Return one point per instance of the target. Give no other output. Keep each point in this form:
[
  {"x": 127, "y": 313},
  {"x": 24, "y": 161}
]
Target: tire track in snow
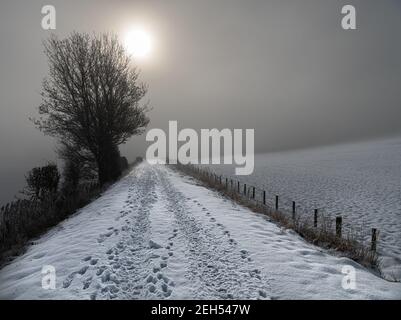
[
  {"x": 137, "y": 261},
  {"x": 217, "y": 268},
  {"x": 161, "y": 224},
  {"x": 124, "y": 276}
]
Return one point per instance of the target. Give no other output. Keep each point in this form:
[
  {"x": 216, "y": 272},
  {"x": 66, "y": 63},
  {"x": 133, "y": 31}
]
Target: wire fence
[{"x": 294, "y": 211}]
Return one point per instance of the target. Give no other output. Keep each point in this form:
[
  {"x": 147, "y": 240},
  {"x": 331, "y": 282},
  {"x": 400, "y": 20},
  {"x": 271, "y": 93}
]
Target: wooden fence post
[
  {"x": 374, "y": 240},
  {"x": 293, "y": 210},
  {"x": 339, "y": 221},
  {"x": 315, "y": 218},
  {"x": 276, "y": 206},
  {"x": 264, "y": 197}
]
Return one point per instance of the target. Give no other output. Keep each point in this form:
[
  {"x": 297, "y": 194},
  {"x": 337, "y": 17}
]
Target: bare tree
[{"x": 90, "y": 101}]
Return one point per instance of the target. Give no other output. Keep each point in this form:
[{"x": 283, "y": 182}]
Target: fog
[{"x": 285, "y": 68}]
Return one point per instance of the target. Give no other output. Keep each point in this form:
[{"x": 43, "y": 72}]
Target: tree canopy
[{"x": 91, "y": 98}]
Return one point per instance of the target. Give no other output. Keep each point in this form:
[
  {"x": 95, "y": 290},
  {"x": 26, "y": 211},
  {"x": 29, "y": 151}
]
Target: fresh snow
[
  {"x": 359, "y": 181},
  {"x": 157, "y": 234}
]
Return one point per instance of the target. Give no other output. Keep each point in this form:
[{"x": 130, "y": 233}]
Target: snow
[
  {"x": 359, "y": 181},
  {"x": 157, "y": 234}
]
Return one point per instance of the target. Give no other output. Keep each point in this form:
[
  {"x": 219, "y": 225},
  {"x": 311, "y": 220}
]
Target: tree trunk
[{"x": 108, "y": 163}]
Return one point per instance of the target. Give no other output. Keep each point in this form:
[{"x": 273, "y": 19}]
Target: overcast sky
[{"x": 285, "y": 68}]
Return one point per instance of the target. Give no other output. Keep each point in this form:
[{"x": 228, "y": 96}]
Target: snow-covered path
[{"x": 158, "y": 235}]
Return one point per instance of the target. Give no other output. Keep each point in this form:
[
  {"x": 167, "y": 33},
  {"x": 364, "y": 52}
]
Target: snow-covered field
[
  {"x": 158, "y": 235},
  {"x": 359, "y": 181}
]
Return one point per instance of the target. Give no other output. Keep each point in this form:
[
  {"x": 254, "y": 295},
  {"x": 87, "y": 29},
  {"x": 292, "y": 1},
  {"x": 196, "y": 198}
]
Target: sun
[{"x": 138, "y": 43}]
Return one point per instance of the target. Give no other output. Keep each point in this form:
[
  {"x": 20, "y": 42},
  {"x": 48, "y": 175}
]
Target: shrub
[{"x": 42, "y": 182}]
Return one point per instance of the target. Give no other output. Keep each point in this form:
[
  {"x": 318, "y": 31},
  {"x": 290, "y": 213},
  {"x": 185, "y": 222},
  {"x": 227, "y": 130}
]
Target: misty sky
[{"x": 285, "y": 68}]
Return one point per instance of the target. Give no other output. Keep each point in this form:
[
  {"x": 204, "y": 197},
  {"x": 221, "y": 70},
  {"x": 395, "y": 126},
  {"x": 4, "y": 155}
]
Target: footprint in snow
[
  {"x": 67, "y": 281},
  {"x": 87, "y": 282},
  {"x": 232, "y": 241},
  {"x": 245, "y": 255},
  {"x": 154, "y": 245},
  {"x": 151, "y": 279},
  {"x": 104, "y": 236},
  {"x": 70, "y": 277},
  {"x": 83, "y": 270},
  {"x": 101, "y": 270}
]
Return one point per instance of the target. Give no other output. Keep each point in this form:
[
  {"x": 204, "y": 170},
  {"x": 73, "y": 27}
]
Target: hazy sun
[{"x": 138, "y": 43}]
